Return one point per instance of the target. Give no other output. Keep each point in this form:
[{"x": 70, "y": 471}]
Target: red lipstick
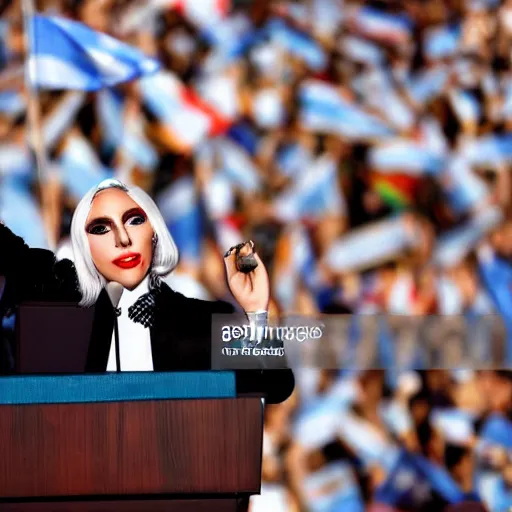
[{"x": 128, "y": 260}]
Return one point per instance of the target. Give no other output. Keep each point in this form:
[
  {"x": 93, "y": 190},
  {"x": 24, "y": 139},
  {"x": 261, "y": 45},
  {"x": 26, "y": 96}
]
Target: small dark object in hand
[{"x": 245, "y": 263}]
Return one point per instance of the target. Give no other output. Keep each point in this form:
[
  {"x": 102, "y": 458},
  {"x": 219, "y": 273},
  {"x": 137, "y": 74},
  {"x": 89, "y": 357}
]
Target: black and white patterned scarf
[{"x": 143, "y": 310}]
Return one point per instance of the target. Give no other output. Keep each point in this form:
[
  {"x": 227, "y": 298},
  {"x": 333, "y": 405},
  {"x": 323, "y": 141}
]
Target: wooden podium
[{"x": 134, "y": 442}]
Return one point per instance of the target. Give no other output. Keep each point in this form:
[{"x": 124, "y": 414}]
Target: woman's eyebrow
[
  {"x": 98, "y": 220},
  {"x": 133, "y": 211}
]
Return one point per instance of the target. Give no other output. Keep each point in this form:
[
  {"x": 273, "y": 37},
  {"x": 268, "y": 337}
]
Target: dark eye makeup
[
  {"x": 101, "y": 226},
  {"x": 98, "y": 229},
  {"x": 134, "y": 216},
  {"x": 98, "y": 226},
  {"x": 137, "y": 220}
]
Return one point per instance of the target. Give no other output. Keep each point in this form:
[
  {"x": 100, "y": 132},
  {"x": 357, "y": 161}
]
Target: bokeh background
[{"x": 366, "y": 148}]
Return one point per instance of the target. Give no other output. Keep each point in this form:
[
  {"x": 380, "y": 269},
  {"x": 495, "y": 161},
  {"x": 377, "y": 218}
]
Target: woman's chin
[
  {"x": 130, "y": 282},
  {"x": 131, "y": 285}
]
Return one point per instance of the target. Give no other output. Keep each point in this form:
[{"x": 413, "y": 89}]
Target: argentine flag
[
  {"x": 415, "y": 483},
  {"x": 125, "y": 134},
  {"x": 343, "y": 491},
  {"x": 184, "y": 216},
  {"x": 371, "y": 245},
  {"x": 238, "y": 166},
  {"x": 323, "y": 109},
  {"x": 12, "y": 103},
  {"x": 496, "y": 276},
  {"x": 316, "y": 193},
  {"x": 297, "y": 43},
  {"x": 454, "y": 245},
  {"x": 442, "y": 41},
  {"x": 405, "y": 156},
  {"x": 66, "y": 54},
  {"x": 79, "y": 166},
  {"x": 381, "y": 26}
]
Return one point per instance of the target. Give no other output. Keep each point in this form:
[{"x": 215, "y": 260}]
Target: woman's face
[{"x": 120, "y": 238}]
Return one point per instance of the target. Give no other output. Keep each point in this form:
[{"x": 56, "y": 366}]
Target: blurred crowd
[
  {"x": 366, "y": 148},
  {"x": 351, "y": 442}
]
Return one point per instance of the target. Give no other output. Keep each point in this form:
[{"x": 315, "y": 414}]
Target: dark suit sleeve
[
  {"x": 12, "y": 248},
  {"x": 32, "y": 274},
  {"x": 276, "y": 385}
]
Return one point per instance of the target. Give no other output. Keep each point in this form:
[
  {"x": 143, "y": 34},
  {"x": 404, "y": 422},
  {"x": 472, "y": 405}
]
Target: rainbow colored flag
[{"x": 396, "y": 190}]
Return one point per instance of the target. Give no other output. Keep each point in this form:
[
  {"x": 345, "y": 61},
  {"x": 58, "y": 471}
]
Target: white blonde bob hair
[{"x": 165, "y": 254}]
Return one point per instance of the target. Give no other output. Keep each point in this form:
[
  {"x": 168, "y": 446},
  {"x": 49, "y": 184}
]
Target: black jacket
[{"x": 180, "y": 336}]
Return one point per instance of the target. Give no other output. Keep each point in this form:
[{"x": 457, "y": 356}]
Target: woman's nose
[{"x": 122, "y": 238}]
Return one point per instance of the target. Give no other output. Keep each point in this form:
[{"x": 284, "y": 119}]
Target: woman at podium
[{"x": 121, "y": 250}]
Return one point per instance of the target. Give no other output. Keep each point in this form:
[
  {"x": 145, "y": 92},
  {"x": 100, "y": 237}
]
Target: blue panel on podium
[{"x": 116, "y": 387}]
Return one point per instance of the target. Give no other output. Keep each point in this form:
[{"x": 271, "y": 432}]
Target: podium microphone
[{"x": 114, "y": 291}]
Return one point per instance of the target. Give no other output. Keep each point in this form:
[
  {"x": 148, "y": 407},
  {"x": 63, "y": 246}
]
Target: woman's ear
[{"x": 154, "y": 239}]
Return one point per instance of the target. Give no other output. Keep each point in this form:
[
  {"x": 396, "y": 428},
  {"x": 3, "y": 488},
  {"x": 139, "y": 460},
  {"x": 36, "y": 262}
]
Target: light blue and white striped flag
[
  {"x": 238, "y": 166},
  {"x": 368, "y": 443},
  {"x": 397, "y": 417},
  {"x": 463, "y": 188},
  {"x": 315, "y": 193},
  {"x": 382, "y": 26},
  {"x": 109, "y": 110},
  {"x": 490, "y": 150},
  {"x": 442, "y": 41},
  {"x": 361, "y": 50},
  {"x": 293, "y": 159},
  {"x": 181, "y": 208},
  {"x": 12, "y": 103},
  {"x": 426, "y": 85},
  {"x": 229, "y": 39},
  {"x": 405, "y": 156},
  {"x": 61, "y": 119},
  {"x": 298, "y": 43},
  {"x": 299, "y": 266},
  {"x": 324, "y": 110},
  {"x": 317, "y": 423},
  {"x": 381, "y": 94},
  {"x": 126, "y": 135},
  {"x": 15, "y": 160},
  {"x": 465, "y": 105},
  {"x": 456, "y": 425},
  {"x": 80, "y": 167},
  {"x": 371, "y": 245},
  {"x": 66, "y": 54},
  {"x": 137, "y": 147},
  {"x": 456, "y": 244},
  {"x": 343, "y": 491}
]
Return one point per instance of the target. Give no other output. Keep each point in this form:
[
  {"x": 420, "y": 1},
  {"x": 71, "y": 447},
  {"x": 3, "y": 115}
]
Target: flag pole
[
  {"x": 34, "y": 111},
  {"x": 34, "y": 120}
]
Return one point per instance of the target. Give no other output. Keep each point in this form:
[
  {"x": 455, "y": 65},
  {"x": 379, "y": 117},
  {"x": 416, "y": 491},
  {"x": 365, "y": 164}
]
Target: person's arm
[
  {"x": 251, "y": 290},
  {"x": 275, "y": 385},
  {"x": 30, "y": 273},
  {"x": 295, "y": 461}
]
